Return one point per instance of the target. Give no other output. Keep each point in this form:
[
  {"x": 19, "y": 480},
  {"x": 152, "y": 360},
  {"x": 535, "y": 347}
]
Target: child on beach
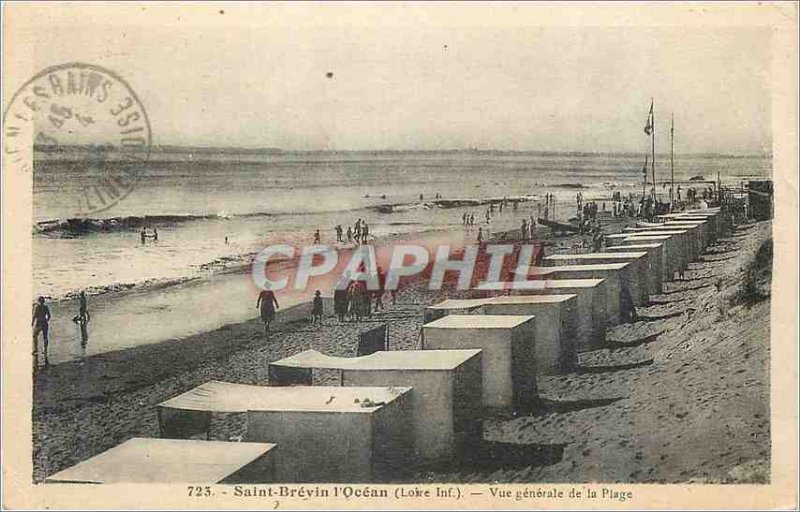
[{"x": 316, "y": 311}]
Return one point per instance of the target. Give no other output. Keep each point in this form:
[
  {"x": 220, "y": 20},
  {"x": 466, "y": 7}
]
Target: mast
[
  {"x": 644, "y": 174},
  {"x": 653, "y": 141},
  {"x": 672, "y": 157}
]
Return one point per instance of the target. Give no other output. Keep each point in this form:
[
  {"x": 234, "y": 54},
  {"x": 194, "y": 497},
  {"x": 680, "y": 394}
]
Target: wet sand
[{"x": 682, "y": 395}]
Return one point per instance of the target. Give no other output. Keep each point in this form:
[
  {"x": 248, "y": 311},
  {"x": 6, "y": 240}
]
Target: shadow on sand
[
  {"x": 635, "y": 343},
  {"x": 490, "y": 456},
  {"x": 563, "y": 406},
  {"x": 687, "y": 289},
  {"x": 613, "y": 368},
  {"x": 648, "y": 318}
]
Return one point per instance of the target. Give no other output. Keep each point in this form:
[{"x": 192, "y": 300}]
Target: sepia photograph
[{"x": 400, "y": 255}]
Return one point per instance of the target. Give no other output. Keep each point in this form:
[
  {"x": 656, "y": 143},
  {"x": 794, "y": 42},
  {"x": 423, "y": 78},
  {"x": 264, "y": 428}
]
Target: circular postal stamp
[{"x": 85, "y": 127}]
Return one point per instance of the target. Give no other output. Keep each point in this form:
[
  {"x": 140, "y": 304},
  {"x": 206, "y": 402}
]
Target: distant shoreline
[{"x": 233, "y": 150}]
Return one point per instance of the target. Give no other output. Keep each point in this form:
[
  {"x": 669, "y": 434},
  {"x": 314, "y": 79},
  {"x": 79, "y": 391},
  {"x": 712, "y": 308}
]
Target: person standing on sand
[
  {"x": 480, "y": 235},
  {"x": 83, "y": 308},
  {"x": 524, "y": 230},
  {"x": 364, "y": 233},
  {"x": 380, "y": 290},
  {"x": 317, "y": 310},
  {"x": 82, "y": 318},
  {"x": 41, "y": 324},
  {"x": 355, "y": 300},
  {"x": 143, "y": 235},
  {"x": 316, "y": 237},
  {"x": 340, "y": 301},
  {"x": 155, "y": 235},
  {"x": 349, "y": 234},
  {"x": 267, "y": 304}
]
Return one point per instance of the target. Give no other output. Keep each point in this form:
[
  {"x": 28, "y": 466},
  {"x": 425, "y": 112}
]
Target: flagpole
[
  {"x": 653, "y": 135},
  {"x": 672, "y": 157}
]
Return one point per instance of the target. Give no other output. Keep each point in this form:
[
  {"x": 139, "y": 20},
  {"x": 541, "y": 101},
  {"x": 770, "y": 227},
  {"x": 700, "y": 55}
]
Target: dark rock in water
[
  {"x": 384, "y": 208},
  {"x": 699, "y": 177},
  {"x": 455, "y": 203}
]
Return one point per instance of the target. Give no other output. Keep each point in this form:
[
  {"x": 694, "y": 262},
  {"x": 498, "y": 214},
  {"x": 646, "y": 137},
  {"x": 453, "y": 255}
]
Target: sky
[{"x": 416, "y": 78}]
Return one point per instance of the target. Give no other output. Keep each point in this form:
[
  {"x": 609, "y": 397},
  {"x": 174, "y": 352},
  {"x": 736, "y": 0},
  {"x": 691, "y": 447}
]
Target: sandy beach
[{"x": 680, "y": 396}]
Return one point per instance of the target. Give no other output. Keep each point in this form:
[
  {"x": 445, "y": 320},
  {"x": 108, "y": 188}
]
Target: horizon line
[{"x": 277, "y": 150}]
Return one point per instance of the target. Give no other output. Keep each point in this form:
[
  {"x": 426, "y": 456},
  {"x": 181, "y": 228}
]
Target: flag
[{"x": 648, "y": 127}]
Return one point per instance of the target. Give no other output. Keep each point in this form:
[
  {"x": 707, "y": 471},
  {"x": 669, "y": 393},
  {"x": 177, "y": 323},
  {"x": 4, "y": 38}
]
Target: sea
[{"x": 197, "y": 198}]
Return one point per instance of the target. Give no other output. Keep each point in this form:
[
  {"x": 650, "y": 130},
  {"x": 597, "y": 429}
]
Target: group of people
[
  {"x": 41, "y": 325},
  {"x": 467, "y": 219},
  {"x": 144, "y": 235},
  {"x": 622, "y": 206},
  {"x": 587, "y": 215},
  {"x": 528, "y": 228},
  {"x": 691, "y": 193},
  {"x": 549, "y": 206},
  {"x": 354, "y": 301},
  {"x": 358, "y": 232}
]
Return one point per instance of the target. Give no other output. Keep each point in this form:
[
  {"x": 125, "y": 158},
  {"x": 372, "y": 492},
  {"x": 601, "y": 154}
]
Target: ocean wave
[
  {"x": 605, "y": 185},
  {"x": 82, "y": 226},
  {"x": 76, "y": 227},
  {"x": 445, "y": 203},
  {"x": 149, "y": 284}
]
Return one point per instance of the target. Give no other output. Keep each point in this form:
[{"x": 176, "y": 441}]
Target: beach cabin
[
  {"x": 338, "y": 434},
  {"x": 656, "y": 258},
  {"x": 508, "y": 360},
  {"x": 639, "y": 267},
  {"x": 613, "y": 273},
  {"x": 683, "y": 240},
  {"x": 173, "y": 461},
  {"x": 324, "y": 434},
  {"x": 692, "y": 237},
  {"x": 714, "y": 218},
  {"x": 687, "y": 253},
  {"x": 445, "y": 382},
  {"x": 450, "y": 307},
  {"x": 672, "y": 248},
  {"x": 555, "y": 330},
  {"x": 701, "y": 227},
  {"x": 591, "y": 297}
]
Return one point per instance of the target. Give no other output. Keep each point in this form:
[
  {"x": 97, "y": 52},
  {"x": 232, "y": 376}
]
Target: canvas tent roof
[
  {"x": 143, "y": 460},
  {"x": 560, "y": 268},
  {"x": 384, "y": 360},
  {"x": 458, "y": 304},
  {"x": 216, "y": 396},
  {"x": 530, "y": 299},
  {"x": 597, "y": 255},
  {"x": 479, "y": 321},
  {"x": 636, "y": 246}
]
